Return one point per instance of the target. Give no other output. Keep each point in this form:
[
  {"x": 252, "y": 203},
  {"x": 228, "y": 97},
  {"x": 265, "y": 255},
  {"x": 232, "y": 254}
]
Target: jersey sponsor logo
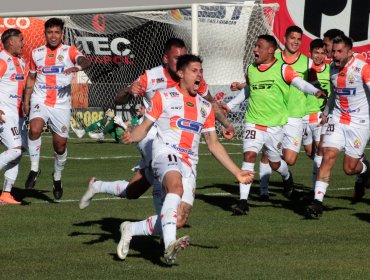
[
  {"x": 50, "y": 55},
  {"x": 174, "y": 94},
  {"x": 345, "y": 91},
  {"x": 357, "y": 110},
  {"x": 177, "y": 123},
  {"x": 14, "y": 96},
  {"x": 181, "y": 150},
  {"x": 176, "y": 108},
  {"x": 160, "y": 80},
  {"x": 190, "y": 104},
  {"x": 50, "y": 87},
  {"x": 51, "y": 70},
  {"x": 17, "y": 77},
  {"x": 262, "y": 85}
]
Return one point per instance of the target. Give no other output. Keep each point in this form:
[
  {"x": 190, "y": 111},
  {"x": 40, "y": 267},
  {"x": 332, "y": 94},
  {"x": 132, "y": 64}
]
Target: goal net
[{"x": 122, "y": 45}]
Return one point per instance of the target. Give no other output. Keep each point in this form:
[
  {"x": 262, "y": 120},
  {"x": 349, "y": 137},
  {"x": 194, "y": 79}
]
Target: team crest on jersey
[
  {"x": 351, "y": 79},
  {"x": 190, "y": 104},
  {"x": 60, "y": 57},
  {"x": 203, "y": 112},
  {"x": 357, "y": 144},
  {"x": 178, "y": 123}
]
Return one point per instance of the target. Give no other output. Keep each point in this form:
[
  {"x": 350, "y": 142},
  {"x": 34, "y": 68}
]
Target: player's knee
[{"x": 349, "y": 170}]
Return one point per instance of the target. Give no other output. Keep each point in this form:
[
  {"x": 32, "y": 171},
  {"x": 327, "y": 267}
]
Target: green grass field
[{"x": 46, "y": 240}]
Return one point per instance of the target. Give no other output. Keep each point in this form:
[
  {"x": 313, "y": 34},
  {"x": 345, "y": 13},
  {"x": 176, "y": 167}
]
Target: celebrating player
[
  {"x": 268, "y": 81},
  {"x": 348, "y": 129},
  {"x": 181, "y": 115},
  {"x": 48, "y": 99},
  {"x": 12, "y": 125}
]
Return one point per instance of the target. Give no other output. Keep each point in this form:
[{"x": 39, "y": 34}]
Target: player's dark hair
[
  {"x": 173, "y": 42},
  {"x": 185, "y": 60},
  {"x": 316, "y": 44},
  {"x": 51, "y": 22},
  {"x": 270, "y": 39},
  {"x": 8, "y": 34},
  {"x": 332, "y": 33},
  {"x": 293, "y": 28},
  {"x": 343, "y": 39}
]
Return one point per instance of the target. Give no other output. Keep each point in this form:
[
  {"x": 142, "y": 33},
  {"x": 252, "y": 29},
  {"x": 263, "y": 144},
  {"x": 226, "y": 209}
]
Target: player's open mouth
[
  {"x": 256, "y": 55},
  {"x": 196, "y": 85}
]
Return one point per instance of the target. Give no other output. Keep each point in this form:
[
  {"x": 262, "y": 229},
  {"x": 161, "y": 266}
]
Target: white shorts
[
  {"x": 57, "y": 118},
  {"x": 293, "y": 134},
  {"x": 13, "y": 133},
  {"x": 345, "y": 137},
  {"x": 271, "y": 138},
  {"x": 167, "y": 161},
  {"x": 311, "y": 132}
]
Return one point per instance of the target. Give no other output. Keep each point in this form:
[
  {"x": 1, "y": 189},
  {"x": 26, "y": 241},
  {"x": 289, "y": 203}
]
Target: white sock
[
  {"x": 320, "y": 190},
  {"x": 8, "y": 184},
  {"x": 116, "y": 188},
  {"x": 265, "y": 173},
  {"x": 59, "y": 163},
  {"x": 150, "y": 226},
  {"x": 283, "y": 170},
  {"x": 8, "y": 156},
  {"x": 316, "y": 165},
  {"x": 34, "y": 147},
  {"x": 245, "y": 188},
  {"x": 169, "y": 217}
]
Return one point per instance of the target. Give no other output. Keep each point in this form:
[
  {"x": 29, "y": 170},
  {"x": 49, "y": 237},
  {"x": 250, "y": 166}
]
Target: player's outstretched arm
[
  {"x": 223, "y": 157},
  {"x": 30, "y": 83},
  {"x": 138, "y": 133}
]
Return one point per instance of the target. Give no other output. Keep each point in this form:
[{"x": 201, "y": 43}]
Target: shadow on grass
[
  {"x": 363, "y": 217},
  {"x": 297, "y": 203},
  {"x": 22, "y": 194},
  {"x": 148, "y": 247}
]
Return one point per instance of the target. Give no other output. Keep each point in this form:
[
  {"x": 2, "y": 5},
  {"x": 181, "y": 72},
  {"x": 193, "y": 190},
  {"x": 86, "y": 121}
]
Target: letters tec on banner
[{"x": 315, "y": 17}]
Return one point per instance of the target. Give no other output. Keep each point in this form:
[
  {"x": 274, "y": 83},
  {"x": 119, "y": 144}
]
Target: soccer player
[
  {"x": 181, "y": 116},
  {"x": 48, "y": 99},
  {"x": 268, "y": 81},
  {"x": 160, "y": 77},
  {"x": 12, "y": 125},
  {"x": 348, "y": 129},
  {"x": 319, "y": 77}
]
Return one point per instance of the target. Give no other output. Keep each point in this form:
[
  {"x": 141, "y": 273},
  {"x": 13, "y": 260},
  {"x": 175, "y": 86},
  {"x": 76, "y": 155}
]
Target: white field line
[{"x": 150, "y": 197}]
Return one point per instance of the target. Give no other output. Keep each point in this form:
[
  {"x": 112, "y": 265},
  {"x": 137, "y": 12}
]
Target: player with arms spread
[
  {"x": 181, "y": 116},
  {"x": 48, "y": 99}
]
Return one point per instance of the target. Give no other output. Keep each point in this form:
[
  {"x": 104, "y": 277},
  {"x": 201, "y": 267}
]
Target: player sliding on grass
[{"x": 181, "y": 116}]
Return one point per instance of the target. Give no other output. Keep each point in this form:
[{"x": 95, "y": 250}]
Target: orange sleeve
[
  {"x": 156, "y": 108},
  {"x": 74, "y": 53},
  {"x": 3, "y": 67},
  {"x": 210, "y": 121},
  {"x": 289, "y": 74},
  {"x": 366, "y": 73},
  {"x": 143, "y": 81},
  {"x": 32, "y": 63}
]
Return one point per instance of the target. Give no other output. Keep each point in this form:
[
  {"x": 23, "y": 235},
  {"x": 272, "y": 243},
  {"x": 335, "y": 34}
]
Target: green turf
[{"x": 46, "y": 240}]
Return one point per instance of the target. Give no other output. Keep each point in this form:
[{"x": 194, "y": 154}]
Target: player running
[{"x": 181, "y": 116}]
